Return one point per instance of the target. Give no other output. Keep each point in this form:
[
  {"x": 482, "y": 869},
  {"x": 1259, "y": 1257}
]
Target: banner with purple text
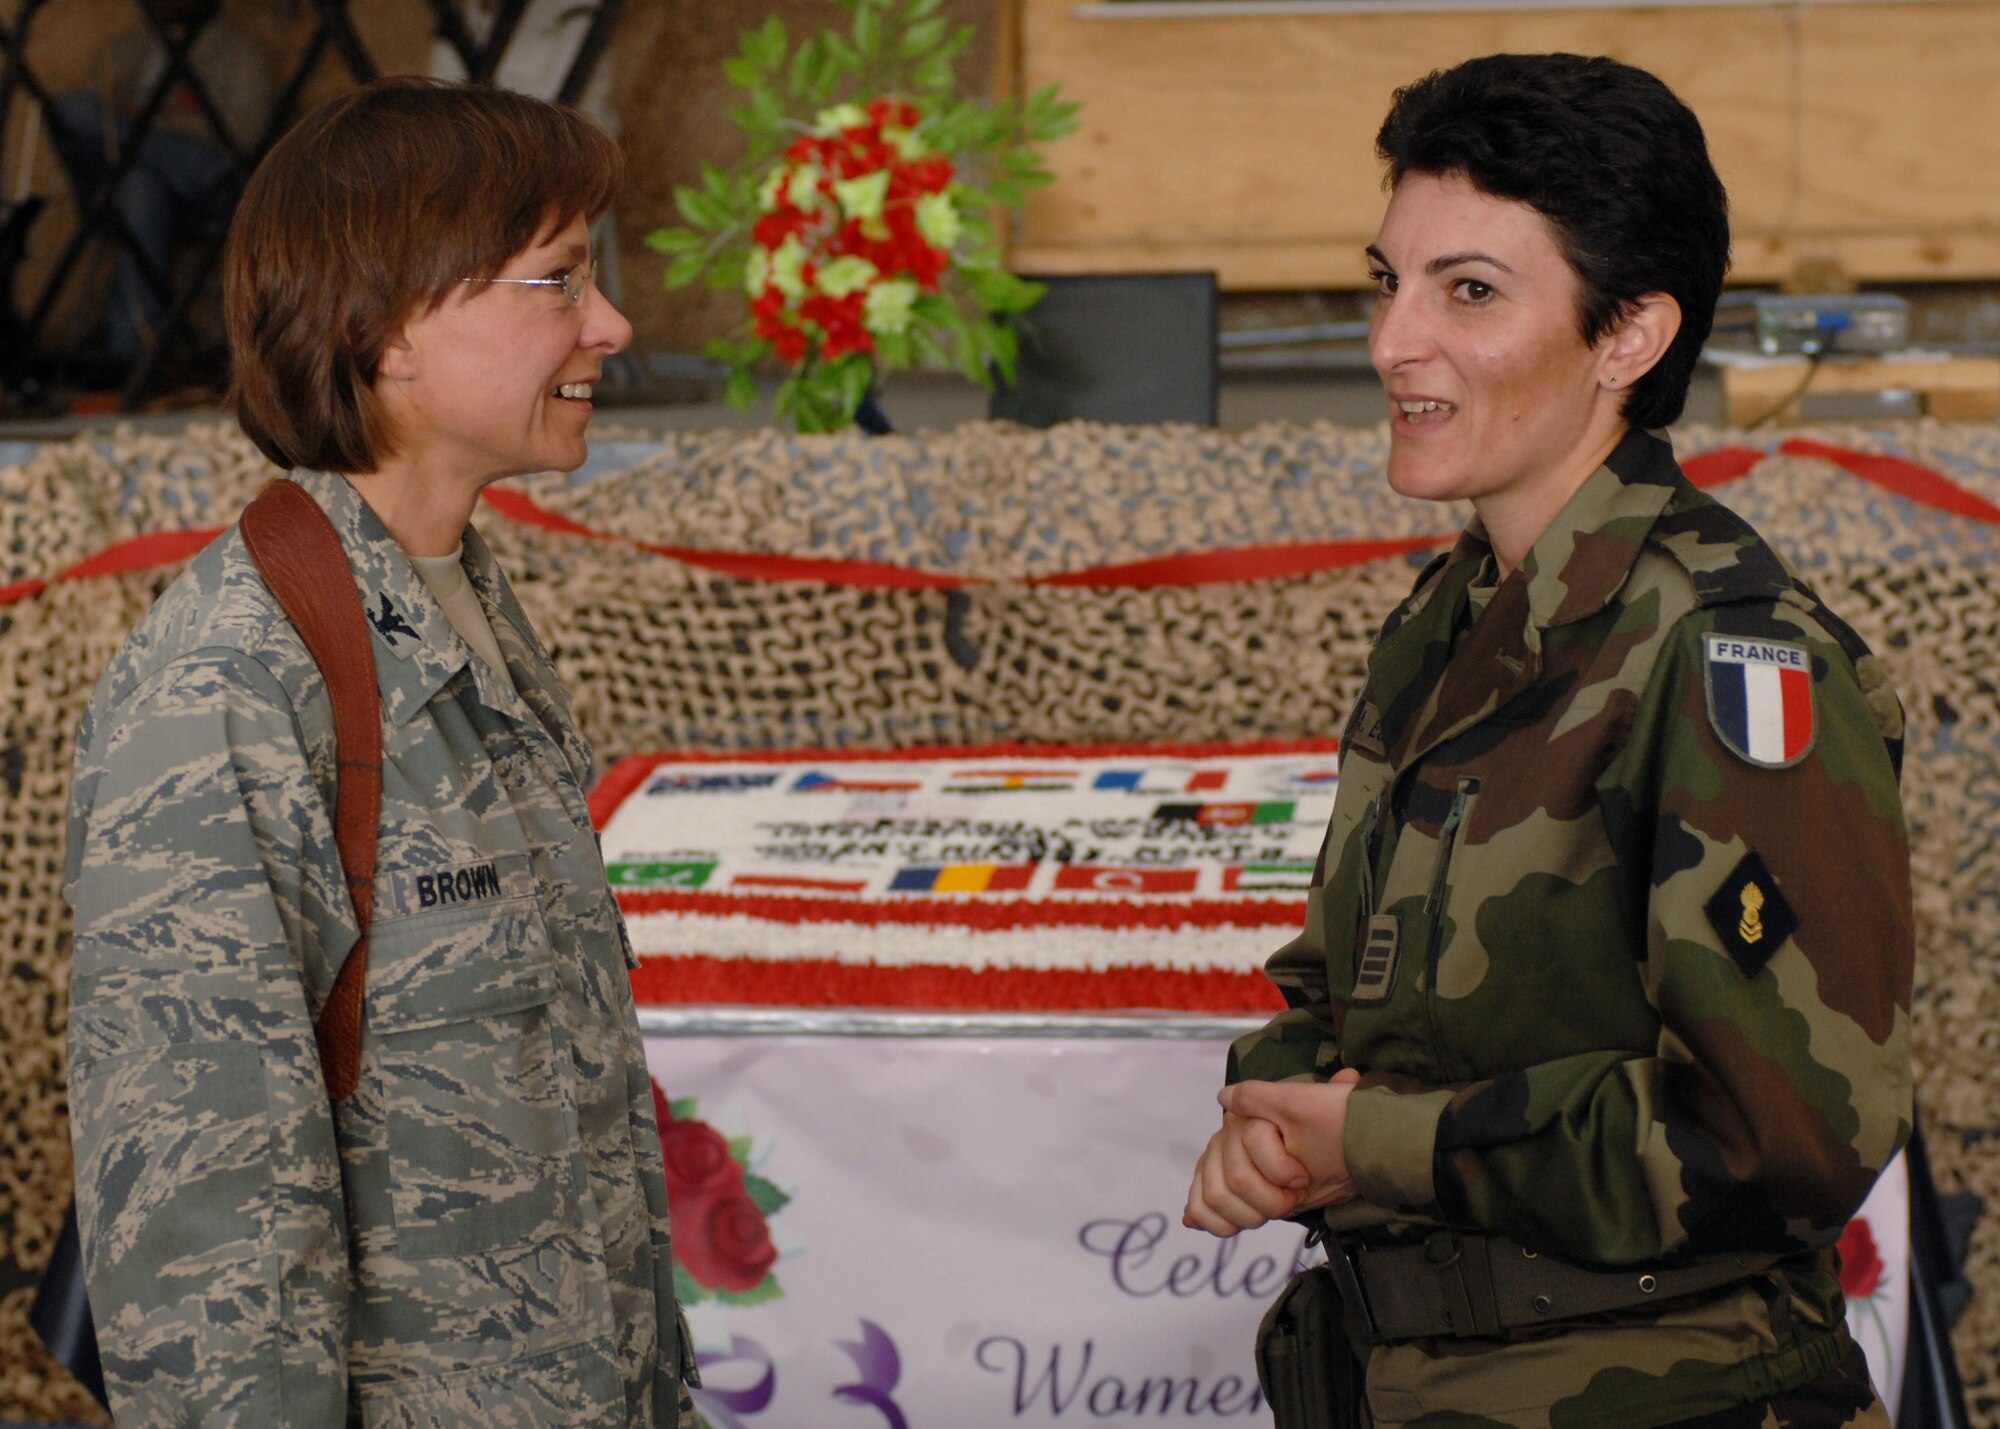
[{"x": 941, "y": 1231}]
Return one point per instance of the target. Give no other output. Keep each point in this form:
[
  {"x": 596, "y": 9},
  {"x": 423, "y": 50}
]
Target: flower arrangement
[
  {"x": 720, "y": 1210},
  {"x": 853, "y": 225}
]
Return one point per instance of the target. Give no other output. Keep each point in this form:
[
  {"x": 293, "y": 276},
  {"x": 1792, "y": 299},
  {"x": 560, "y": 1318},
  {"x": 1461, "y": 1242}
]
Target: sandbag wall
[{"x": 664, "y": 653}]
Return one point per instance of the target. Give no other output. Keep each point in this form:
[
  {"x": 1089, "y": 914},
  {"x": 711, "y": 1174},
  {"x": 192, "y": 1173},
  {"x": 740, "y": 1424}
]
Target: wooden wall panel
[{"x": 1865, "y": 134}]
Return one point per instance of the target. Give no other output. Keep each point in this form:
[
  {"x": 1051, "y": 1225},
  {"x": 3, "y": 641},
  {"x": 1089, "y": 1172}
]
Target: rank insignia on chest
[
  {"x": 1760, "y": 698},
  {"x": 1376, "y": 977},
  {"x": 1751, "y": 915}
]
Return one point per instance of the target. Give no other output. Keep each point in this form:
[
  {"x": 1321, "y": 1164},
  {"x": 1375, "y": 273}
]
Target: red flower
[
  {"x": 778, "y": 225},
  {"x": 899, "y": 112},
  {"x": 840, "y": 320},
  {"x": 788, "y": 342},
  {"x": 930, "y": 176},
  {"x": 697, "y": 1158},
  {"x": 719, "y": 1235},
  {"x": 1860, "y": 1262},
  {"x": 723, "y": 1241}
]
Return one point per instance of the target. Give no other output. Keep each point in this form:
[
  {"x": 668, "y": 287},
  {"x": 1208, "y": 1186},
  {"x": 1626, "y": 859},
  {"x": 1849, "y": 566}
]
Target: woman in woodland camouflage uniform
[
  {"x": 477, "y": 1235},
  {"x": 1598, "y": 1023}
]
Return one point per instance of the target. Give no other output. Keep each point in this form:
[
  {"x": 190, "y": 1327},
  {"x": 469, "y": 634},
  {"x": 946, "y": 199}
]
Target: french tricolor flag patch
[{"x": 1760, "y": 698}]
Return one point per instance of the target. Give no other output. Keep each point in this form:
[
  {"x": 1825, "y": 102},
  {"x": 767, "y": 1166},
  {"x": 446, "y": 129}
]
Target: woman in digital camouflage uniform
[
  {"x": 1598, "y": 1024},
  {"x": 477, "y": 1235}
]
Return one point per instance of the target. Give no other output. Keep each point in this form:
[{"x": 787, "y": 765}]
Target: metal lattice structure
[{"x": 334, "y": 39}]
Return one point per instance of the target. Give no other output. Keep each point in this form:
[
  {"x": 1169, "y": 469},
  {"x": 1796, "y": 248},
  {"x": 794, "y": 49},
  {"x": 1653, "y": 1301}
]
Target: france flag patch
[{"x": 1760, "y": 698}]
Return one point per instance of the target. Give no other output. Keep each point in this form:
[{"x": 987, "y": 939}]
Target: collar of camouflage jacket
[
  {"x": 1435, "y": 685},
  {"x": 416, "y": 649}
]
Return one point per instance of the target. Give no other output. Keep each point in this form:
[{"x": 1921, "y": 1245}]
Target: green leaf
[
  {"x": 1005, "y": 345},
  {"x": 956, "y": 42},
  {"x": 718, "y": 186},
  {"x": 739, "y": 1150},
  {"x": 730, "y": 269},
  {"x": 819, "y": 406},
  {"x": 842, "y": 56},
  {"x": 819, "y": 77},
  {"x": 855, "y": 374},
  {"x": 764, "y": 1195},
  {"x": 920, "y": 8},
  {"x": 675, "y": 240},
  {"x": 970, "y": 359},
  {"x": 1047, "y": 117},
  {"x": 701, "y": 209},
  {"x": 740, "y": 392},
  {"x": 999, "y": 291},
  {"x": 742, "y": 72},
  {"x": 936, "y": 309},
  {"x": 920, "y": 38},
  {"x": 767, "y": 113},
  {"x": 771, "y": 43},
  {"x": 685, "y": 269},
  {"x": 804, "y": 59},
  {"x": 932, "y": 75},
  {"x": 762, "y": 1293},
  {"x": 1008, "y": 191},
  {"x": 892, "y": 351},
  {"x": 868, "y": 31},
  {"x": 688, "y": 1290},
  {"x": 1019, "y": 163},
  {"x": 681, "y": 1108}
]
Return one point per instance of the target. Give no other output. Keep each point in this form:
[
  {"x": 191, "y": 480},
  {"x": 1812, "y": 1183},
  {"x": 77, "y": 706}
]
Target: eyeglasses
[{"x": 572, "y": 283}]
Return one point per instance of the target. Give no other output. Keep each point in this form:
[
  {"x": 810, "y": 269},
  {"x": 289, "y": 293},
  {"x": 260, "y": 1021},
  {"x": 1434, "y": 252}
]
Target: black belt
[{"x": 1461, "y": 1284}]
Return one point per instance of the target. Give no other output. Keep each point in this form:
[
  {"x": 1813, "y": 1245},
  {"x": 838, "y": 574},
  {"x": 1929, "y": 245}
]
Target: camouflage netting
[{"x": 662, "y": 655}]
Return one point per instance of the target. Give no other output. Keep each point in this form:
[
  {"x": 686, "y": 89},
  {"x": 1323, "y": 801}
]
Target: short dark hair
[
  {"x": 370, "y": 210},
  {"x": 1612, "y": 159}
]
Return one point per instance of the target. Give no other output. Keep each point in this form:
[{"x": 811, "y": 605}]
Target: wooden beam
[{"x": 1865, "y": 134}]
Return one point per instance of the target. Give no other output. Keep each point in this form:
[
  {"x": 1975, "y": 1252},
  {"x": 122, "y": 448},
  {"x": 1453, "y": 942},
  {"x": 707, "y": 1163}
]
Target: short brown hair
[{"x": 369, "y": 211}]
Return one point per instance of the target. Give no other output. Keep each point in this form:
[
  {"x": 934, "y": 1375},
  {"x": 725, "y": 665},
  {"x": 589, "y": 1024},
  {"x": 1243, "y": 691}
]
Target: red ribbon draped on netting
[{"x": 1893, "y": 474}]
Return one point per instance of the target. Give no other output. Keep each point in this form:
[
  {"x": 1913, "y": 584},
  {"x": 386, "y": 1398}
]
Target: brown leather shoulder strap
[{"x": 299, "y": 554}]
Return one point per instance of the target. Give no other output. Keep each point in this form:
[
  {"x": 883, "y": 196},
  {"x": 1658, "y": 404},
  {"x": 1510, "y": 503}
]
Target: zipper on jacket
[
  {"x": 1447, "y": 840},
  {"x": 1434, "y": 906},
  {"x": 1370, "y": 851}
]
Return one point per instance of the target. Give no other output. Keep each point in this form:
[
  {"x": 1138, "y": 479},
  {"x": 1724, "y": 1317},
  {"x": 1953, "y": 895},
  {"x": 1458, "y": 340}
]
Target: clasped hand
[{"x": 1279, "y": 1152}]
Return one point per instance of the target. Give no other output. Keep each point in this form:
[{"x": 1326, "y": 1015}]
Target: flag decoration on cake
[{"x": 1032, "y": 877}]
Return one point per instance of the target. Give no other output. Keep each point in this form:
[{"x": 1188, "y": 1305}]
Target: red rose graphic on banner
[
  {"x": 720, "y": 1210},
  {"x": 1860, "y": 1262}
]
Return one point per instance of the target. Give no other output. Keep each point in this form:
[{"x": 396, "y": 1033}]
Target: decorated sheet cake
[{"x": 1045, "y": 877}]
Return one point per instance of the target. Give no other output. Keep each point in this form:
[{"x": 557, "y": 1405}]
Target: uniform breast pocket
[{"x": 478, "y": 1119}]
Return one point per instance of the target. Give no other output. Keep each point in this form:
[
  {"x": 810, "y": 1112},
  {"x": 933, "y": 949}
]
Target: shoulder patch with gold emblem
[{"x": 1751, "y": 915}]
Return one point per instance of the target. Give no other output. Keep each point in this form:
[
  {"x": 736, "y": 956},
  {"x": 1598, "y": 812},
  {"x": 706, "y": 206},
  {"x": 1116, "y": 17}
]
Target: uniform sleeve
[
  {"x": 208, "y": 1189},
  {"x": 1778, "y": 952}
]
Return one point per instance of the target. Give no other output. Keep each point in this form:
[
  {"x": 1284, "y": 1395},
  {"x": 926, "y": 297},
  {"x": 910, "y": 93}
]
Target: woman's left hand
[
  {"x": 1278, "y": 1152},
  {"x": 1311, "y": 1120}
]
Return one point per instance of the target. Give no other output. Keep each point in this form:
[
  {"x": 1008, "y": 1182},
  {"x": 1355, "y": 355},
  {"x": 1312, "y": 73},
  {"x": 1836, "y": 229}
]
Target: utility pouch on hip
[{"x": 1304, "y": 1362}]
